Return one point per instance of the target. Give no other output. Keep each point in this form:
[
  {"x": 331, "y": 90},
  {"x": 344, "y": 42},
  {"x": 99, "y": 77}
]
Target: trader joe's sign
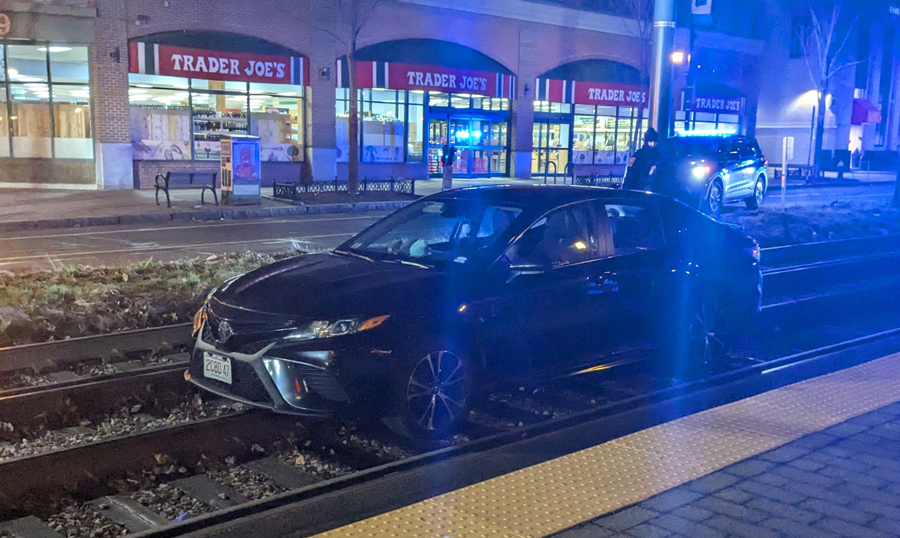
[{"x": 155, "y": 59}]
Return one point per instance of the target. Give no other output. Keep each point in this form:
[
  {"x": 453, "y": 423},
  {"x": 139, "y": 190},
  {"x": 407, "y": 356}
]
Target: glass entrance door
[
  {"x": 550, "y": 142},
  {"x": 481, "y": 145}
]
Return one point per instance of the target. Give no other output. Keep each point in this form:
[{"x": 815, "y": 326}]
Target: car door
[
  {"x": 539, "y": 321},
  {"x": 631, "y": 274},
  {"x": 733, "y": 174}
]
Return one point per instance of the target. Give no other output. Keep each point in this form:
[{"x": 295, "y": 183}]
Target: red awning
[{"x": 864, "y": 112}]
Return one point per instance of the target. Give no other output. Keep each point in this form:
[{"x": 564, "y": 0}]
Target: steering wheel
[{"x": 397, "y": 246}]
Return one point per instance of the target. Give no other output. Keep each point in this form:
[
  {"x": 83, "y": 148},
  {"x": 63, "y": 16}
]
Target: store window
[
  {"x": 557, "y": 108},
  {"x": 45, "y": 107},
  {"x": 392, "y": 125},
  {"x": 175, "y": 118},
  {"x": 707, "y": 121},
  {"x": 604, "y": 134}
]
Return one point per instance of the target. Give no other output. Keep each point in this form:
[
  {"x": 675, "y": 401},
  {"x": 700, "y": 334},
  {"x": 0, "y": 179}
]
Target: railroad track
[{"x": 265, "y": 446}]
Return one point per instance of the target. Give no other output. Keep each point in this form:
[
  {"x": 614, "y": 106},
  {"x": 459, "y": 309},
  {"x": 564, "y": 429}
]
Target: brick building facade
[{"x": 565, "y": 86}]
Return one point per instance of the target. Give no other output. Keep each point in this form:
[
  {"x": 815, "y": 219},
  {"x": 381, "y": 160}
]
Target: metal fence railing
[{"x": 293, "y": 191}]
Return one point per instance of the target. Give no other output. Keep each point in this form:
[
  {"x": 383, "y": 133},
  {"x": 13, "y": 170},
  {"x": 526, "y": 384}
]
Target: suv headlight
[
  {"x": 328, "y": 329},
  {"x": 199, "y": 318}
]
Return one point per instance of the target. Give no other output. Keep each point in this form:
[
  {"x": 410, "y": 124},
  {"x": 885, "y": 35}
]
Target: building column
[
  {"x": 321, "y": 151},
  {"x": 109, "y": 92},
  {"x": 522, "y": 109}
]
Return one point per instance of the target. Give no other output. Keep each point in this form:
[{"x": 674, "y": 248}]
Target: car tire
[
  {"x": 431, "y": 391},
  {"x": 759, "y": 192},
  {"x": 709, "y": 336},
  {"x": 715, "y": 196}
]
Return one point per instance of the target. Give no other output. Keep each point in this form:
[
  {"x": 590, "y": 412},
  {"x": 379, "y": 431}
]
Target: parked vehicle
[
  {"x": 463, "y": 289},
  {"x": 707, "y": 172}
]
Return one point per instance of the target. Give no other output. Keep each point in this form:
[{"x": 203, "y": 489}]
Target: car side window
[
  {"x": 634, "y": 228},
  {"x": 731, "y": 151},
  {"x": 746, "y": 150},
  {"x": 562, "y": 237}
]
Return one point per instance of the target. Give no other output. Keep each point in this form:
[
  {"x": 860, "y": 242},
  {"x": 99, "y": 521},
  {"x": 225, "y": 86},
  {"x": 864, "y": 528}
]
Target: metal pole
[
  {"x": 661, "y": 67},
  {"x": 897, "y": 186}
]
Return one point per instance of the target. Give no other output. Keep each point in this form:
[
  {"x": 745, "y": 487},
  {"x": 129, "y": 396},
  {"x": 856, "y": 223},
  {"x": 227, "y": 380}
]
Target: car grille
[
  {"x": 245, "y": 383},
  {"x": 321, "y": 382}
]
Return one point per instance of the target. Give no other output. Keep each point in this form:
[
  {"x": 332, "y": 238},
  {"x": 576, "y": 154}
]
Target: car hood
[{"x": 323, "y": 286}]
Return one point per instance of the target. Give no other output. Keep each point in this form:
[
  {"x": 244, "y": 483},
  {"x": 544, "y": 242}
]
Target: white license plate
[{"x": 217, "y": 367}]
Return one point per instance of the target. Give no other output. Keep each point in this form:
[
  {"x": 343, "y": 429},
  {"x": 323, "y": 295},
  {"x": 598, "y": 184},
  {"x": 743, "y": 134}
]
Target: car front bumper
[{"x": 307, "y": 384}]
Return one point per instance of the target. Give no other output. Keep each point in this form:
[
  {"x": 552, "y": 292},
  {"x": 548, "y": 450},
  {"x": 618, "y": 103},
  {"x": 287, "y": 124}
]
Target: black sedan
[
  {"x": 464, "y": 289},
  {"x": 709, "y": 171}
]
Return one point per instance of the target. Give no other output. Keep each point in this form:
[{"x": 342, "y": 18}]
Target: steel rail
[
  {"x": 403, "y": 471},
  {"x": 46, "y": 356}
]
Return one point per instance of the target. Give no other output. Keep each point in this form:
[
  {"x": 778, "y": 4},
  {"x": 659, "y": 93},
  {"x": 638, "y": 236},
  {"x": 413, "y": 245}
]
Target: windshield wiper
[{"x": 353, "y": 255}]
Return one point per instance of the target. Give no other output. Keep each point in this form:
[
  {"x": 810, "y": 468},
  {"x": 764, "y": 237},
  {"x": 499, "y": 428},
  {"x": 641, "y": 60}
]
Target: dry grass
[
  {"x": 80, "y": 301},
  {"x": 770, "y": 227}
]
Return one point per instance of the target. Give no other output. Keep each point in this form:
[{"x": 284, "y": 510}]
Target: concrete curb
[{"x": 223, "y": 214}]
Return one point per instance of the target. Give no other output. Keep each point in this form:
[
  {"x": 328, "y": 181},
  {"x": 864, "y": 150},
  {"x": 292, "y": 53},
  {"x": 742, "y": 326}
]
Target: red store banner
[
  {"x": 156, "y": 59},
  {"x": 590, "y": 93},
  {"x": 400, "y": 76}
]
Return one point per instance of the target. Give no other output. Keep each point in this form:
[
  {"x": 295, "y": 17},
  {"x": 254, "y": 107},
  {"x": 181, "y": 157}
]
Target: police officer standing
[
  {"x": 448, "y": 158},
  {"x": 642, "y": 164}
]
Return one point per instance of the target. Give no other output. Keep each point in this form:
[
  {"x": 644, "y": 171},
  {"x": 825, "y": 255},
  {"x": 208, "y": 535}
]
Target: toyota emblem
[{"x": 225, "y": 332}]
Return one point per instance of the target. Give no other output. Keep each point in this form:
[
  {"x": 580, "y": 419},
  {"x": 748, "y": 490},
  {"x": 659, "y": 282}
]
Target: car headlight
[
  {"x": 199, "y": 318},
  {"x": 329, "y": 329},
  {"x": 701, "y": 172}
]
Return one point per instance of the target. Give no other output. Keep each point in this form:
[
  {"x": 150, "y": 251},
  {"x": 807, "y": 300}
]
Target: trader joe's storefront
[{"x": 409, "y": 111}]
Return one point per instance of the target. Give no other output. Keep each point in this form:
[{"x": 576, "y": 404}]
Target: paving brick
[
  {"x": 806, "y": 464},
  {"x": 872, "y": 494},
  {"x": 725, "y": 508},
  {"x": 799, "y": 475},
  {"x": 887, "y": 524},
  {"x": 736, "y": 527},
  {"x": 784, "y": 454},
  {"x": 779, "y": 509},
  {"x": 845, "y": 429},
  {"x": 871, "y": 419},
  {"x": 685, "y": 526},
  {"x": 713, "y": 482},
  {"x": 874, "y": 507},
  {"x": 693, "y": 513},
  {"x": 842, "y": 463},
  {"x": 845, "y": 528},
  {"x": 793, "y": 528},
  {"x": 835, "y": 510},
  {"x": 819, "y": 493},
  {"x": 814, "y": 441},
  {"x": 627, "y": 518},
  {"x": 877, "y": 461},
  {"x": 779, "y": 494},
  {"x": 771, "y": 479},
  {"x": 734, "y": 495},
  {"x": 873, "y": 446},
  {"x": 670, "y": 500},
  {"x": 748, "y": 468},
  {"x": 585, "y": 531},
  {"x": 646, "y": 530}
]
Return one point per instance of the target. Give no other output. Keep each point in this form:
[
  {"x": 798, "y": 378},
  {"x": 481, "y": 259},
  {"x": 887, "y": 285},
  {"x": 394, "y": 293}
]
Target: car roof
[{"x": 543, "y": 196}]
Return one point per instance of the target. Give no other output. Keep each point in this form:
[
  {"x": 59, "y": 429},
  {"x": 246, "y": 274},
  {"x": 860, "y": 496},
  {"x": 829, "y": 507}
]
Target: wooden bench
[{"x": 187, "y": 180}]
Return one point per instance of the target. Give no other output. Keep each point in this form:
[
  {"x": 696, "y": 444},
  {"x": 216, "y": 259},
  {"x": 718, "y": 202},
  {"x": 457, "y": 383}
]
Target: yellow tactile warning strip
[{"x": 561, "y": 493}]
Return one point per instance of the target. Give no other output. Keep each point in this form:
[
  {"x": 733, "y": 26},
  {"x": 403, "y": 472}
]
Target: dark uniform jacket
[{"x": 640, "y": 168}]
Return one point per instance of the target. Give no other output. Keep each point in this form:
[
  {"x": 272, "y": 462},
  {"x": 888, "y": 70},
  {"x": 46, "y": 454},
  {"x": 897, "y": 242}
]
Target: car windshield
[
  {"x": 436, "y": 231},
  {"x": 689, "y": 147}
]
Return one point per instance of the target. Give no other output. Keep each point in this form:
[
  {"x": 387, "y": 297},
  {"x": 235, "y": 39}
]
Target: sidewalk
[{"x": 24, "y": 209}]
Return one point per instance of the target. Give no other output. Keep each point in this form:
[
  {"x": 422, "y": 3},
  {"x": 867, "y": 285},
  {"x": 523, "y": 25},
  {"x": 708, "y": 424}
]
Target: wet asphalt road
[{"x": 116, "y": 245}]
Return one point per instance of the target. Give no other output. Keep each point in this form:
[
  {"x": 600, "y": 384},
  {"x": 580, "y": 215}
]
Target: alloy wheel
[
  {"x": 715, "y": 198},
  {"x": 437, "y": 390},
  {"x": 759, "y": 192},
  {"x": 708, "y": 335}
]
